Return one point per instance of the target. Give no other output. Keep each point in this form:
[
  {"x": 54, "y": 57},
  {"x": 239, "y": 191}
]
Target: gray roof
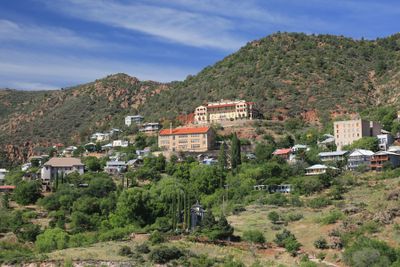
[{"x": 332, "y": 154}]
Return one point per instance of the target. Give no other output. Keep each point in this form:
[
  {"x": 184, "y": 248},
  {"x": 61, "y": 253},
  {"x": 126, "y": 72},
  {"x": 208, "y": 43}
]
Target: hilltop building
[
  {"x": 225, "y": 110},
  {"x": 192, "y": 139},
  {"x": 359, "y": 157},
  {"x": 346, "y": 132}
]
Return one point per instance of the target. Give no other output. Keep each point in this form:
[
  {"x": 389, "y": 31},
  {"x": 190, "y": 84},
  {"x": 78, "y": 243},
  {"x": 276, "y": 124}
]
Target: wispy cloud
[
  {"x": 23, "y": 70},
  {"x": 166, "y": 22},
  {"x": 12, "y": 32}
]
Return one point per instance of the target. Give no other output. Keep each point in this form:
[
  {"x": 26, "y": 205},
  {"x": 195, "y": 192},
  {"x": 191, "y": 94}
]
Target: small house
[
  {"x": 285, "y": 153},
  {"x": 318, "y": 169},
  {"x": 115, "y": 167}
]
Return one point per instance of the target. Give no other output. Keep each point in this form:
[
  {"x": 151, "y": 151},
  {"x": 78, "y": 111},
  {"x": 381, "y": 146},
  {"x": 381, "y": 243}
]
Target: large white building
[
  {"x": 61, "y": 166},
  {"x": 225, "y": 110}
]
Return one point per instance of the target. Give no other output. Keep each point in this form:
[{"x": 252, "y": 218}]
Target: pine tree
[
  {"x": 222, "y": 161},
  {"x": 235, "y": 152}
]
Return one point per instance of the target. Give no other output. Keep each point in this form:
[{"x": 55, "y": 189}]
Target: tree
[
  {"x": 222, "y": 158},
  {"x": 264, "y": 151},
  {"x": 235, "y": 152},
  {"x": 92, "y": 164},
  {"x": 366, "y": 142},
  {"x": 274, "y": 217},
  {"x": 254, "y": 236},
  {"x": 52, "y": 239},
  {"x": 27, "y": 192}
]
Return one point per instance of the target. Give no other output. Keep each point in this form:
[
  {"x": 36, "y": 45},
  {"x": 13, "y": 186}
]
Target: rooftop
[
  {"x": 332, "y": 154},
  {"x": 361, "y": 152},
  {"x": 64, "y": 162},
  {"x": 320, "y": 166},
  {"x": 282, "y": 151},
  {"x": 194, "y": 130}
]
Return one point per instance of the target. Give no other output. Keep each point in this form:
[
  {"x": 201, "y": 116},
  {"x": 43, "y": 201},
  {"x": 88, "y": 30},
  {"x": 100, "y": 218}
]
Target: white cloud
[
  {"x": 172, "y": 24},
  {"x": 11, "y": 32},
  {"x": 23, "y": 70}
]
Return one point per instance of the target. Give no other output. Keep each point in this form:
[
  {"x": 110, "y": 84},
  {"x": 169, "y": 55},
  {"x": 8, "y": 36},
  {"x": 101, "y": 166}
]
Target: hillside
[{"x": 313, "y": 77}]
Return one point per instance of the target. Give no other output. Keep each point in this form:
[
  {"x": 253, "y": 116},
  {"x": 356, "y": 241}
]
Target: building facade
[
  {"x": 199, "y": 139},
  {"x": 359, "y": 157},
  {"x": 61, "y": 166},
  {"x": 382, "y": 158},
  {"x": 150, "y": 128},
  {"x": 333, "y": 156},
  {"x": 318, "y": 169},
  {"x": 225, "y": 110},
  {"x": 138, "y": 119},
  {"x": 346, "y": 132}
]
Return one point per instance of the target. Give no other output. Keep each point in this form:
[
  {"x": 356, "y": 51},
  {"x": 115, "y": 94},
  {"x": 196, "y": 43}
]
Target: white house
[
  {"x": 120, "y": 143},
  {"x": 385, "y": 140},
  {"x": 133, "y": 119},
  {"x": 318, "y": 169},
  {"x": 100, "y": 137},
  {"x": 3, "y": 173},
  {"x": 150, "y": 127},
  {"x": 115, "y": 167},
  {"x": 61, "y": 166},
  {"x": 358, "y": 158},
  {"x": 69, "y": 150}
]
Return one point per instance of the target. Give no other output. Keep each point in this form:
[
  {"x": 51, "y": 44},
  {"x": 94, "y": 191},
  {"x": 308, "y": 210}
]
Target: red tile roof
[
  {"x": 282, "y": 151},
  {"x": 194, "y": 130},
  {"x": 12, "y": 187}
]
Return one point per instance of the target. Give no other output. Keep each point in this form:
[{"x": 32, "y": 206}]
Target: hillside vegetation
[{"x": 312, "y": 77}]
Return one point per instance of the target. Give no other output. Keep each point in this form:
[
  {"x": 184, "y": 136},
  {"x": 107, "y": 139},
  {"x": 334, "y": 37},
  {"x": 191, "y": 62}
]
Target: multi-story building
[
  {"x": 199, "y": 139},
  {"x": 346, "y": 132},
  {"x": 150, "y": 128},
  {"x": 225, "y": 110},
  {"x": 385, "y": 140},
  {"x": 115, "y": 167},
  {"x": 381, "y": 158},
  {"x": 138, "y": 119},
  {"x": 359, "y": 157},
  {"x": 61, "y": 166}
]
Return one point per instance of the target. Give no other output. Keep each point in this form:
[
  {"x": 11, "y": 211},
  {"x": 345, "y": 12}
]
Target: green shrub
[
  {"x": 276, "y": 199},
  {"x": 293, "y": 216},
  {"x": 254, "y": 236},
  {"x": 51, "y": 239},
  {"x": 156, "y": 238},
  {"x": 125, "y": 251},
  {"x": 142, "y": 248},
  {"x": 287, "y": 240},
  {"x": 164, "y": 254},
  {"x": 274, "y": 217},
  {"x": 319, "y": 202},
  {"x": 332, "y": 217},
  {"x": 321, "y": 243},
  {"x": 116, "y": 233}
]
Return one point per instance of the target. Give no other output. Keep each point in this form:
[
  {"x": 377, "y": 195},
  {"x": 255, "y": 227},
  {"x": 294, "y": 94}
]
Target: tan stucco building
[
  {"x": 225, "y": 110},
  {"x": 194, "y": 139},
  {"x": 346, "y": 132}
]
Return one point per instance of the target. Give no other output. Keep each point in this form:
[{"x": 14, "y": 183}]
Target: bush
[
  {"x": 254, "y": 236},
  {"x": 125, "y": 251},
  {"x": 164, "y": 254},
  {"x": 274, "y": 217},
  {"x": 142, "y": 248},
  {"x": 27, "y": 192},
  {"x": 292, "y": 217},
  {"x": 276, "y": 199},
  {"x": 332, "y": 217},
  {"x": 115, "y": 234},
  {"x": 287, "y": 240},
  {"x": 51, "y": 239},
  {"x": 319, "y": 202},
  {"x": 156, "y": 238},
  {"x": 321, "y": 243}
]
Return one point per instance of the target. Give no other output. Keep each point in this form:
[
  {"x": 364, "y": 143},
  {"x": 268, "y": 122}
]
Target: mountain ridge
[{"x": 310, "y": 77}]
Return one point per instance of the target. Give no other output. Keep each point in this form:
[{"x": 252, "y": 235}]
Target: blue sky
[{"x": 49, "y": 44}]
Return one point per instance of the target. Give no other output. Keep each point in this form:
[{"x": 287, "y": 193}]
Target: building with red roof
[
  {"x": 225, "y": 110},
  {"x": 284, "y": 153},
  {"x": 187, "y": 139}
]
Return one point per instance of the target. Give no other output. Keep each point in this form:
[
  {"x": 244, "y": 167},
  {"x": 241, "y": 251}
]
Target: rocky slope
[{"x": 312, "y": 77}]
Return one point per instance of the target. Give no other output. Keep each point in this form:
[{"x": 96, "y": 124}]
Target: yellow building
[
  {"x": 199, "y": 139},
  {"x": 225, "y": 110},
  {"x": 346, "y": 132}
]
